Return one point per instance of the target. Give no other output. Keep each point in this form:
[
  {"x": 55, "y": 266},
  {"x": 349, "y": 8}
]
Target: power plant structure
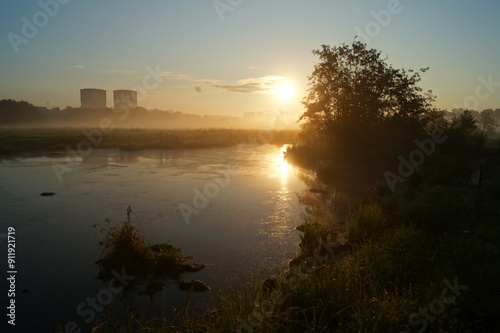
[
  {"x": 125, "y": 99},
  {"x": 91, "y": 98}
]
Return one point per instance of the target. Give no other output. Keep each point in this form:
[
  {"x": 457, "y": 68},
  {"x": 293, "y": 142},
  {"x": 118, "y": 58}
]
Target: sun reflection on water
[
  {"x": 279, "y": 223},
  {"x": 283, "y": 166}
]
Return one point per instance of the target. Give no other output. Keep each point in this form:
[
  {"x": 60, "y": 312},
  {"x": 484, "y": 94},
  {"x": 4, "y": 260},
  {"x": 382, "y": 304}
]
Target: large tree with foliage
[
  {"x": 354, "y": 82},
  {"x": 359, "y": 109}
]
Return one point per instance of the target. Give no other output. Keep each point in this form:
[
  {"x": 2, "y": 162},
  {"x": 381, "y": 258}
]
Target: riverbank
[
  {"x": 424, "y": 259},
  {"x": 15, "y": 141}
]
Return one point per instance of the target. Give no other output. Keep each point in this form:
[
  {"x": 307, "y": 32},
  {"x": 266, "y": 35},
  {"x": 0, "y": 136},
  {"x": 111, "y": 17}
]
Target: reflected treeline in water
[
  {"x": 103, "y": 158},
  {"x": 127, "y": 157},
  {"x": 324, "y": 201},
  {"x": 96, "y": 159},
  {"x": 164, "y": 157}
]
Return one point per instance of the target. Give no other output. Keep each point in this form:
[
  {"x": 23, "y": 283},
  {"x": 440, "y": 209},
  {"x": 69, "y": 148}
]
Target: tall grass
[
  {"x": 124, "y": 246},
  {"x": 367, "y": 222}
]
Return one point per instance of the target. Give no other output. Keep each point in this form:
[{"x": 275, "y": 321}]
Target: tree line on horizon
[{"x": 24, "y": 114}]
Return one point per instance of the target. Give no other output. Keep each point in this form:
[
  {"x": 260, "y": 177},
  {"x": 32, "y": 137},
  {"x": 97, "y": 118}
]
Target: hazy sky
[{"x": 235, "y": 56}]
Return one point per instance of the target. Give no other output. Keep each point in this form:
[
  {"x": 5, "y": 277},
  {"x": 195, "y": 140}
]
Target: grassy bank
[{"x": 13, "y": 141}]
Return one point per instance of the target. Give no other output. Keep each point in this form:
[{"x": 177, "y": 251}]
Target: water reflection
[
  {"x": 283, "y": 165},
  {"x": 323, "y": 203},
  {"x": 96, "y": 159},
  {"x": 277, "y": 224},
  {"x": 103, "y": 158}
]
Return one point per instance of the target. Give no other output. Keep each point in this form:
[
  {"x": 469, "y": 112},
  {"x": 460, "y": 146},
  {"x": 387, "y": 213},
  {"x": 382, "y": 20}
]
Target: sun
[{"x": 285, "y": 91}]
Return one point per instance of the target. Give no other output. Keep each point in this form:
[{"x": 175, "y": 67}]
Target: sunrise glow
[{"x": 285, "y": 91}]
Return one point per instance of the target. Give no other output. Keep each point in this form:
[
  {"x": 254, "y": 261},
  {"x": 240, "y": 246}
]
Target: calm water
[{"x": 244, "y": 211}]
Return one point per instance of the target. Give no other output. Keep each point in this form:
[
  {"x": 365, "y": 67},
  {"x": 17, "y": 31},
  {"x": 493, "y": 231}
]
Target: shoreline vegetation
[
  {"x": 32, "y": 140},
  {"x": 124, "y": 247}
]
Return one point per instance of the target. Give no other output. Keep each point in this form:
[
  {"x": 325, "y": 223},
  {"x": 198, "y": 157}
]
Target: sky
[{"x": 228, "y": 57}]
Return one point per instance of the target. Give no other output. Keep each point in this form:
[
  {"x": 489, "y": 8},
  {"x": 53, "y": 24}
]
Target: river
[{"x": 235, "y": 209}]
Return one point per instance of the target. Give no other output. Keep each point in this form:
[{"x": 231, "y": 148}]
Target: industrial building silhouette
[
  {"x": 125, "y": 99},
  {"x": 92, "y": 98}
]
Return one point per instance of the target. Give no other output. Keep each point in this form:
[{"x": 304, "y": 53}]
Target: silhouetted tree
[
  {"x": 487, "y": 123},
  {"x": 465, "y": 124},
  {"x": 465, "y": 139},
  {"x": 353, "y": 82},
  {"x": 360, "y": 111}
]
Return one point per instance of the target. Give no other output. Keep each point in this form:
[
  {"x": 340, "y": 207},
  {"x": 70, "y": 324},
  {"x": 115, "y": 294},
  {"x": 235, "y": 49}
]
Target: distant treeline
[
  {"x": 23, "y": 114},
  {"x": 488, "y": 120}
]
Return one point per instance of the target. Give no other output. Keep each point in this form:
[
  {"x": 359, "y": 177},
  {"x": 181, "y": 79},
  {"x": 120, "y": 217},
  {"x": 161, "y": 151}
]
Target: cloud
[
  {"x": 117, "y": 71},
  {"x": 259, "y": 85},
  {"x": 76, "y": 67},
  {"x": 175, "y": 76}
]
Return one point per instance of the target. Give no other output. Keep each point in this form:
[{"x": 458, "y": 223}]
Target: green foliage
[
  {"x": 122, "y": 243},
  {"x": 438, "y": 209},
  {"x": 311, "y": 236},
  {"x": 354, "y": 82},
  {"x": 368, "y": 221},
  {"x": 124, "y": 247}
]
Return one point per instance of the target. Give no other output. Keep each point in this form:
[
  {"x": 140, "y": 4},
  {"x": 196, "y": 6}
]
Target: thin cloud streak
[
  {"x": 116, "y": 71},
  {"x": 260, "y": 85},
  {"x": 175, "y": 76}
]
